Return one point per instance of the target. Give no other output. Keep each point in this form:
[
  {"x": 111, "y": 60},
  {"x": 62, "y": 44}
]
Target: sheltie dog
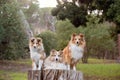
[
  {"x": 55, "y": 60},
  {"x": 74, "y": 50},
  {"x": 37, "y": 53}
]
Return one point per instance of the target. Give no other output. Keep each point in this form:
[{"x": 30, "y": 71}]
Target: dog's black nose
[
  {"x": 56, "y": 59},
  {"x": 77, "y": 42},
  {"x": 34, "y": 46}
]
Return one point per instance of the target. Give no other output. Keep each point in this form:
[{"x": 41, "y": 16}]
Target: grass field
[
  {"x": 94, "y": 70},
  {"x": 9, "y": 75},
  {"x": 101, "y": 71}
]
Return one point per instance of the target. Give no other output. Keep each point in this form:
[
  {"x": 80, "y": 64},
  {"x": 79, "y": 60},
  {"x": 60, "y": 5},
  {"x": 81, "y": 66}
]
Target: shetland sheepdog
[
  {"x": 37, "y": 53},
  {"x": 55, "y": 60},
  {"x": 74, "y": 50}
]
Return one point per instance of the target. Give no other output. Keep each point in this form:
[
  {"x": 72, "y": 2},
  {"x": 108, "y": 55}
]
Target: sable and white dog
[
  {"x": 37, "y": 53},
  {"x": 74, "y": 50},
  {"x": 55, "y": 60}
]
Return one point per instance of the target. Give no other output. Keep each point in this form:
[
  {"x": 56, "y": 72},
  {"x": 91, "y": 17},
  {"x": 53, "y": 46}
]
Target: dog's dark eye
[
  {"x": 59, "y": 55},
  {"x": 75, "y": 39},
  {"x": 52, "y": 55},
  {"x": 37, "y": 43}
]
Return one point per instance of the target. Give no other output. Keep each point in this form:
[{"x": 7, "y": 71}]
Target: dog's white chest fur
[
  {"x": 54, "y": 65},
  {"x": 35, "y": 54},
  {"x": 76, "y": 51}
]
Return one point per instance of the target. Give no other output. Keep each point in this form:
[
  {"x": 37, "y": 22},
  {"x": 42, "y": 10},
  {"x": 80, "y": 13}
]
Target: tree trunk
[
  {"x": 25, "y": 24},
  {"x": 118, "y": 58},
  {"x": 119, "y": 44},
  {"x": 85, "y": 56},
  {"x": 54, "y": 75}
]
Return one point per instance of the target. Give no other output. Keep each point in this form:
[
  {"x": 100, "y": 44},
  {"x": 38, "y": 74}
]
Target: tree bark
[
  {"x": 54, "y": 75},
  {"x": 24, "y": 23},
  {"x": 119, "y": 44}
]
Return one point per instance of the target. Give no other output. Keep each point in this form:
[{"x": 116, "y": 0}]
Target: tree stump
[{"x": 51, "y": 74}]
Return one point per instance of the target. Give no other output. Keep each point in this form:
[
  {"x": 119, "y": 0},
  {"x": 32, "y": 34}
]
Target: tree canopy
[
  {"x": 77, "y": 11},
  {"x": 12, "y": 36}
]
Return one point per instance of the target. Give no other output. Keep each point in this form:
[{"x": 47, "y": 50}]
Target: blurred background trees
[
  {"x": 99, "y": 20},
  {"x": 49, "y": 41},
  {"x": 96, "y": 13},
  {"x": 12, "y": 36}
]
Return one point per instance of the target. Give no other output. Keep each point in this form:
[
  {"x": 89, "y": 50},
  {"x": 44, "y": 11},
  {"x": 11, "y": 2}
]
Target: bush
[
  {"x": 99, "y": 41},
  {"x": 49, "y": 40},
  {"x": 98, "y": 38},
  {"x": 12, "y": 36},
  {"x": 64, "y": 30}
]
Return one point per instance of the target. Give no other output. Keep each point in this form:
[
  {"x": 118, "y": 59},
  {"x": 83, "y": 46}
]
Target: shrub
[
  {"x": 64, "y": 29},
  {"x": 99, "y": 41},
  {"x": 49, "y": 40},
  {"x": 12, "y": 37}
]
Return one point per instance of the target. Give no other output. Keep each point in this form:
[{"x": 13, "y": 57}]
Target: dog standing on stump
[
  {"x": 37, "y": 53},
  {"x": 74, "y": 50}
]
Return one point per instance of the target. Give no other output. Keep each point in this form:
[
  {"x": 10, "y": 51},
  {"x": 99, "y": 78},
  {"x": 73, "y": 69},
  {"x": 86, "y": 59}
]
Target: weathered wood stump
[{"x": 54, "y": 75}]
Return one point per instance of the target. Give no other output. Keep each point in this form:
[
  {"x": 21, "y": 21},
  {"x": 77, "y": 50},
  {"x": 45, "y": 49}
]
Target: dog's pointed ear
[
  {"x": 52, "y": 51},
  {"x": 81, "y": 35},
  {"x": 39, "y": 39},
  {"x": 32, "y": 39},
  {"x": 61, "y": 52},
  {"x": 73, "y": 35}
]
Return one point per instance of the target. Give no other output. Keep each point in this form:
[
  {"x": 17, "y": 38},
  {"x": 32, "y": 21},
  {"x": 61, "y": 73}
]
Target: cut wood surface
[{"x": 52, "y": 74}]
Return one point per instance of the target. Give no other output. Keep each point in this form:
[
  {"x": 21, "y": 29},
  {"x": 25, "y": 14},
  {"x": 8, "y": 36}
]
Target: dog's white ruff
[
  {"x": 54, "y": 65},
  {"x": 76, "y": 52},
  {"x": 36, "y": 57}
]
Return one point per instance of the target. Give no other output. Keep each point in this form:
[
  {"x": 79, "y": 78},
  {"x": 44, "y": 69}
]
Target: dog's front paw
[
  {"x": 40, "y": 64},
  {"x": 68, "y": 67}
]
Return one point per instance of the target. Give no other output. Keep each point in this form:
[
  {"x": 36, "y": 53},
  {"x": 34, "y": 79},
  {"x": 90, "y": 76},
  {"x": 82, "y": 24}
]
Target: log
[{"x": 52, "y": 74}]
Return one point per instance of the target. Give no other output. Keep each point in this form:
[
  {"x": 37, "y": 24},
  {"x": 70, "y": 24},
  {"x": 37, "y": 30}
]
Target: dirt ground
[{"x": 15, "y": 67}]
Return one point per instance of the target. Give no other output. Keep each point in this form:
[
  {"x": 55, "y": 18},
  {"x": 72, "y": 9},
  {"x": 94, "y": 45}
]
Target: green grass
[
  {"x": 5, "y": 75},
  {"x": 18, "y": 76},
  {"x": 99, "y": 61},
  {"x": 102, "y": 70},
  {"x": 96, "y": 69}
]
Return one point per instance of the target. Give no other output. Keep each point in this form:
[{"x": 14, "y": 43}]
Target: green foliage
[
  {"x": 49, "y": 40},
  {"x": 113, "y": 14},
  {"x": 97, "y": 36},
  {"x": 33, "y": 8},
  {"x": 77, "y": 10},
  {"x": 64, "y": 30},
  {"x": 68, "y": 10},
  {"x": 12, "y": 37},
  {"x": 98, "y": 39}
]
